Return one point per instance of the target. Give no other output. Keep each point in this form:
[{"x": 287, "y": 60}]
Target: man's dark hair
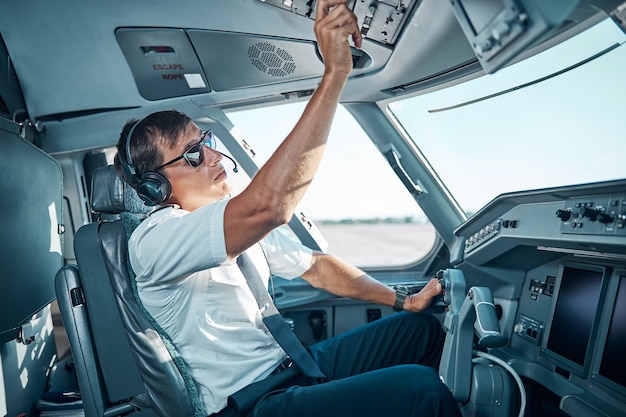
[{"x": 161, "y": 127}]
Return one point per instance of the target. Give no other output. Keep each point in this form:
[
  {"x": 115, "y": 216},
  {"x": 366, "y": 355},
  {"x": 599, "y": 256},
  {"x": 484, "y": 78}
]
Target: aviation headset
[{"x": 153, "y": 188}]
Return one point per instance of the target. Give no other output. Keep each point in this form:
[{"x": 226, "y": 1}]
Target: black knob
[
  {"x": 592, "y": 214},
  {"x": 564, "y": 215},
  {"x": 605, "y": 218}
]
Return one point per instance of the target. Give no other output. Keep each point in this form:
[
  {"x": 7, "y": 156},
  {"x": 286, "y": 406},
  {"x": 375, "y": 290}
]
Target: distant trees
[{"x": 377, "y": 220}]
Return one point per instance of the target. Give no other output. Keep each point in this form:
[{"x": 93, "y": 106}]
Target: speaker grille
[
  {"x": 271, "y": 60},
  {"x": 576, "y": 407}
]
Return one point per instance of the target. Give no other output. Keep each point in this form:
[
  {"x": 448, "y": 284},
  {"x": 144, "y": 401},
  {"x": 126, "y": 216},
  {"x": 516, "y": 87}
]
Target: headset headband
[
  {"x": 153, "y": 188},
  {"x": 129, "y": 161}
]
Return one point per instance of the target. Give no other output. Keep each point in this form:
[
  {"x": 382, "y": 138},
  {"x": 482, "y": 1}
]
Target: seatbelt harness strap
[{"x": 275, "y": 322}]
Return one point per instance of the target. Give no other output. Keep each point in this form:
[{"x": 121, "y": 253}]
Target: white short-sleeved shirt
[{"x": 202, "y": 300}]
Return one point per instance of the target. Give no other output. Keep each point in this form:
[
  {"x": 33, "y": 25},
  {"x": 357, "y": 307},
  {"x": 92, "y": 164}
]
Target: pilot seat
[{"x": 125, "y": 365}]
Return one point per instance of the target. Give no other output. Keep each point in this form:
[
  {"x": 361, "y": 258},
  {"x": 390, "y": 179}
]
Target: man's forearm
[{"x": 340, "y": 278}]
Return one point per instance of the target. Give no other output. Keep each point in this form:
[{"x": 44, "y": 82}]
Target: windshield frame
[{"x": 456, "y": 163}]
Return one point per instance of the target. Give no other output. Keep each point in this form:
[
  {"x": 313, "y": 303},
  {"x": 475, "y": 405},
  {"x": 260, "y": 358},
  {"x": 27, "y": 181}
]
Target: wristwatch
[{"x": 401, "y": 294}]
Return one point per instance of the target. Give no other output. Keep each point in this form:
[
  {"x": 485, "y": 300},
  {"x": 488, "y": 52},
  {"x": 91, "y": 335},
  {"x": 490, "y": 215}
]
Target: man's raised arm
[{"x": 277, "y": 188}]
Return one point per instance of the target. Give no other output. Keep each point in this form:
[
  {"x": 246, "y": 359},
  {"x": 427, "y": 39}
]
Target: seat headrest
[{"x": 111, "y": 195}]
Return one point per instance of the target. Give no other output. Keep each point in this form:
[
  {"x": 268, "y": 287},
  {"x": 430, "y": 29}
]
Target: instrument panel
[
  {"x": 560, "y": 255},
  {"x": 587, "y": 218}
]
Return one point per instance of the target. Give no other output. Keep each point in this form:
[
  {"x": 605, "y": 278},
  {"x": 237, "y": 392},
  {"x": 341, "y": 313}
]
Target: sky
[{"x": 564, "y": 131}]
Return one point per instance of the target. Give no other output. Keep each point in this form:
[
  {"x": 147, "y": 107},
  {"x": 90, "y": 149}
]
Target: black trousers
[{"x": 383, "y": 369}]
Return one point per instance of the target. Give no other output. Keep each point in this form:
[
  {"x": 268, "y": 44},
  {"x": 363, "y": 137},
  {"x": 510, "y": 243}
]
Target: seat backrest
[
  {"x": 71, "y": 301},
  {"x": 101, "y": 395},
  {"x": 124, "y": 358},
  {"x": 163, "y": 372}
]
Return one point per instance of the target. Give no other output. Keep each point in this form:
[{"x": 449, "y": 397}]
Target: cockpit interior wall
[{"x": 31, "y": 186}]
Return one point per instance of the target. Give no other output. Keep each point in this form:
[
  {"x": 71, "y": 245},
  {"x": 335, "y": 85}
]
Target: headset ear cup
[{"x": 154, "y": 188}]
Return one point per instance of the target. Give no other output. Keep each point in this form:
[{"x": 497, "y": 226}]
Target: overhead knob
[
  {"x": 605, "y": 218},
  {"x": 564, "y": 215},
  {"x": 592, "y": 214}
]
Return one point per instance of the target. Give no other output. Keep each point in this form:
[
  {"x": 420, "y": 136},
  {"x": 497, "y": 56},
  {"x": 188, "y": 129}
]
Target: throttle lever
[{"x": 452, "y": 290}]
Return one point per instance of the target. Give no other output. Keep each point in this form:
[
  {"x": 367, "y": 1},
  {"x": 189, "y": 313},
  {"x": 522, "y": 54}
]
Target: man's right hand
[
  {"x": 424, "y": 299},
  {"x": 334, "y": 24}
]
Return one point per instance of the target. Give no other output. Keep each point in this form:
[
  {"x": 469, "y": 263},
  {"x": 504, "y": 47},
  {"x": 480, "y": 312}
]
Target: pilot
[{"x": 187, "y": 257}]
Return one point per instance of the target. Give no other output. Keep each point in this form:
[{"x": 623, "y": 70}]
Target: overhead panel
[
  {"x": 234, "y": 60},
  {"x": 500, "y": 30},
  {"x": 381, "y": 21},
  {"x": 163, "y": 62}
]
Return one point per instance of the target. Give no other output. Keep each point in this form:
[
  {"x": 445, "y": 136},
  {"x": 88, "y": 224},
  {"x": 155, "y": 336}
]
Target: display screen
[
  {"x": 613, "y": 365},
  {"x": 480, "y": 12},
  {"x": 574, "y": 318}
]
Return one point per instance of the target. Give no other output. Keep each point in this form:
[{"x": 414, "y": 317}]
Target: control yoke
[{"x": 468, "y": 313}]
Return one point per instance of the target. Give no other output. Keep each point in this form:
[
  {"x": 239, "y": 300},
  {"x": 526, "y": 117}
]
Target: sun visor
[
  {"x": 163, "y": 62},
  {"x": 233, "y": 60}
]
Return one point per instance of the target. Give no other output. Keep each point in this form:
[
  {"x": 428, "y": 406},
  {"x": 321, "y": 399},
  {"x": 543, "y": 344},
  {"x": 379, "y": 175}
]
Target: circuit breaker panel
[{"x": 381, "y": 21}]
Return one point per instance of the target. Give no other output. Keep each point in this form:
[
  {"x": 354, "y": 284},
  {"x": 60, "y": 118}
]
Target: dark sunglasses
[{"x": 195, "y": 155}]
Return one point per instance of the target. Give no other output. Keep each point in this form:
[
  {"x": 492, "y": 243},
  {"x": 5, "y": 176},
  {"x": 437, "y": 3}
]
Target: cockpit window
[
  {"x": 551, "y": 120},
  {"x": 361, "y": 208}
]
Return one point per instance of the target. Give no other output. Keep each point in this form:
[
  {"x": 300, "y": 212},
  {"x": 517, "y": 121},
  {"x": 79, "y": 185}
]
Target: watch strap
[{"x": 401, "y": 294}]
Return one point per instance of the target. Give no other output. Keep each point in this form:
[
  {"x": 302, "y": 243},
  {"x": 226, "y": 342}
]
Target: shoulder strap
[{"x": 275, "y": 322}]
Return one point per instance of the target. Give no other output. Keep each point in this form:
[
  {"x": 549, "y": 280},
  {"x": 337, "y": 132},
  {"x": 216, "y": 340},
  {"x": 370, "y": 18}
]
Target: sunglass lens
[
  {"x": 209, "y": 139},
  {"x": 195, "y": 155}
]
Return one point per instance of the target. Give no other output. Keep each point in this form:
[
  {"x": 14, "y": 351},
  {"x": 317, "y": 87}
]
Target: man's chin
[{"x": 227, "y": 188}]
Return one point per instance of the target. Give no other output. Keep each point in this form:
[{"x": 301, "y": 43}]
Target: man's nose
[{"x": 212, "y": 156}]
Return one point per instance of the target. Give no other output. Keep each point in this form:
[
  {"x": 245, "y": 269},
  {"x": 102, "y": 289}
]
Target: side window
[{"x": 361, "y": 208}]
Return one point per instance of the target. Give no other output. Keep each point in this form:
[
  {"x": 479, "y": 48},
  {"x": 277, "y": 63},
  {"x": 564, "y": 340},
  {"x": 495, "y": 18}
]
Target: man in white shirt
[{"x": 184, "y": 255}]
